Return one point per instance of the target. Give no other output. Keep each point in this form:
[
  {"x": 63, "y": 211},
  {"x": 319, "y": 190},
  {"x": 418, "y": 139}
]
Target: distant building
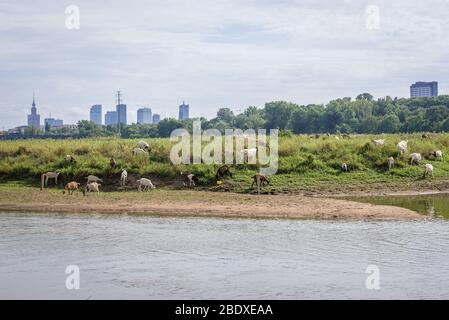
[
  {"x": 110, "y": 118},
  {"x": 144, "y": 116},
  {"x": 121, "y": 113},
  {"x": 156, "y": 118},
  {"x": 34, "y": 119},
  {"x": 424, "y": 89},
  {"x": 52, "y": 122},
  {"x": 96, "y": 114},
  {"x": 183, "y": 111}
]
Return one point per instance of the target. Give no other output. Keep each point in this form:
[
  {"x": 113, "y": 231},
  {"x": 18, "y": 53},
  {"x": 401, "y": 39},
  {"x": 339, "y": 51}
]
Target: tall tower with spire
[{"x": 34, "y": 119}]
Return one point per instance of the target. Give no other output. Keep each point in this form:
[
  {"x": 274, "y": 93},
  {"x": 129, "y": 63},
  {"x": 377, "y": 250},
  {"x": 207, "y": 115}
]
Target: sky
[{"x": 213, "y": 54}]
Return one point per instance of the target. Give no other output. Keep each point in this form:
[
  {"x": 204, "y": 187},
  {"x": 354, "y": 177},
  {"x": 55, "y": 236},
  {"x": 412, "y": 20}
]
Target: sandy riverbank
[{"x": 197, "y": 203}]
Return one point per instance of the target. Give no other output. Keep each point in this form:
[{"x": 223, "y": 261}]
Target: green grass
[{"x": 304, "y": 162}]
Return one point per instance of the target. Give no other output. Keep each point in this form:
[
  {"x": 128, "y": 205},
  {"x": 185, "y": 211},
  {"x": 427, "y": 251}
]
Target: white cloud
[{"x": 213, "y": 54}]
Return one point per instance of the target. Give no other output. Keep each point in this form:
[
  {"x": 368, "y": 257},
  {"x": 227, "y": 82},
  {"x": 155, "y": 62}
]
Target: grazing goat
[
  {"x": 71, "y": 187},
  {"x": 143, "y": 145},
  {"x": 438, "y": 155},
  {"x": 402, "y": 146},
  {"x": 70, "y": 159},
  {"x": 415, "y": 158},
  {"x": 138, "y": 151},
  {"x": 259, "y": 180},
  {"x": 112, "y": 163},
  {"x": 379, "y": 142},
  {"x": 146, "y": 183},
  {"x": 190, "y": 180},
  {"x": 123, "y": 178},
  {"x": 390, "y": 163},
  {"x": 425, "y": 136},
  {"x": 93, "y": 187},
  {"x": 344, "y": 167},
  {"x": 49, "y": 175},
  {"x": 428, "y": 170},
  {"x": 93, "y": 179},
  {"x": 222, "y": 171}
]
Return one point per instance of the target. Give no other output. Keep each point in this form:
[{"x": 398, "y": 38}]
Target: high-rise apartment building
[
  {"x": 96, "y": 114},
  {"x": 424, "y": 89},
  {"x": 144, "y": 116}
]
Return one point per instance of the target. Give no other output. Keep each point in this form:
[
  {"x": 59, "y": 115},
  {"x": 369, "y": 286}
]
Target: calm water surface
[
  {"x": 145, "y": 257},
  {"x": 432, "y": 205}
]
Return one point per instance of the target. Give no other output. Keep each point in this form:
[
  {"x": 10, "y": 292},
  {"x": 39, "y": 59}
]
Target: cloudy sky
[{"x": 221, "y": 53}]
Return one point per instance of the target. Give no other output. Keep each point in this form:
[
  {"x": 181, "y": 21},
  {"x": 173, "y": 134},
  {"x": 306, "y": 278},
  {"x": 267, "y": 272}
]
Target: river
[{"x": 139, "y": 257}]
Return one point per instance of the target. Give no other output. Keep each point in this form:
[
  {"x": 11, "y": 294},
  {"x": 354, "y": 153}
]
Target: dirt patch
[{"x": 201, "y": 203}]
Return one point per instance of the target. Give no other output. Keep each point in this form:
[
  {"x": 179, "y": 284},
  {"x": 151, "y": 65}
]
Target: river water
[{"x": 138, "y": 257}]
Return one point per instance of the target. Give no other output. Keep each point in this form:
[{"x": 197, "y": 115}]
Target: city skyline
[{"x": 307, "y": 52}]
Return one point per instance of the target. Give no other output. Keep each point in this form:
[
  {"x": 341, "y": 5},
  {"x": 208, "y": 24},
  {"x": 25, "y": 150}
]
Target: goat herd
[
  {"x": 93, "y": 183},
  {"x": 414, "y": 157},
  {"x": 190, "y": 180}
]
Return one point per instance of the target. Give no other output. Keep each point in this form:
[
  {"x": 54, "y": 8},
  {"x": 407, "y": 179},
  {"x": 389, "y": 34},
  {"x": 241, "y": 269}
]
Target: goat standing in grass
[
  {"x": 112, "y": 163},
  {"x": 189, "y": 180},
  {"x": 379, "y": 142},
  {"x": 259, "y": 180},
  {"x": 49, "y": 175},
  {"x": 92, "y": 178},
  {"x": 71, "y": 187},
  {"x": 222, "y": 171},
  {"x": 402, "y": 147},
  {"x": 69, "y": 159},
  {"x": 428, "y": 170},
  {"x": 145, "y": 183},
  {"x": 93, "y": 187},
  {"x": 123, "y": 178},
  {"x": 415, "y": 158},
  {"x": 390, "y": 163},
  {"x": 344, "y": 167},
  {"x": 438, "y": 155}
]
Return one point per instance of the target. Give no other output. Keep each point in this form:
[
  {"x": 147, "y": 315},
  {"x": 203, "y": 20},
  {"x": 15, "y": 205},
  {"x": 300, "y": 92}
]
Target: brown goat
[{"x": 71, "y": 187}]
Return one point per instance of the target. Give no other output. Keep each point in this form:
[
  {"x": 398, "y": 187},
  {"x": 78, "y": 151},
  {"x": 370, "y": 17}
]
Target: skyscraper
[
  {"x": 96, "y": 113},
  {"x": 144, "y": 116},
  {"x": 424, "y": 89},
  {"x": 34, "y": 119},
  {"x": 183, "y": 111},
  {"x": 110, "y": 118},
  {"x": 121, "y": 113},
  {"x": 156, "y": 118}
]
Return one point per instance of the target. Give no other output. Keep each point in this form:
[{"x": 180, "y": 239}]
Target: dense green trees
[{"x": 362, "y": 115}]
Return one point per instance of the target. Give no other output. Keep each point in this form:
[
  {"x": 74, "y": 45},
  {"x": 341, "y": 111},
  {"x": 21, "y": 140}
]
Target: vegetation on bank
[{"x": 305, "y": 162}]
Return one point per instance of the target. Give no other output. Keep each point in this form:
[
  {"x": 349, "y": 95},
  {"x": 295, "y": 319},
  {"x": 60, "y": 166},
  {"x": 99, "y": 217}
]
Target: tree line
[{"x": 363, "y": 114}]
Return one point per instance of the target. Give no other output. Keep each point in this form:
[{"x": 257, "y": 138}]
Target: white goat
[
  {"x": 402, "y": 146},
  {"x": 92, "y": 178},
  {"x": 344, "y": 167},
  {"x": 143, "y": 145},
  {"x": 138, "y": 151},
  {"x": 69, "y": 158},
  {"x": 428, "y": 170},
  {"x": 415, "y": 158},
  {"x": 93, "y": 187},
  {"x": 390, "y": 163},
  {"x": 123, "y": 178},
  {"x": 146, "y": 183},
  {"x": 438, "y": 155},
  {"x": 379, "y": 142},
  {"x": 49, "y": 175}
]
